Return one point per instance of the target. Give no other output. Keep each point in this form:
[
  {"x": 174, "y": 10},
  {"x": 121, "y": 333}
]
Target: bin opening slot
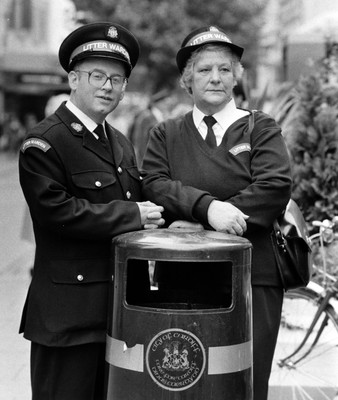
[{"x": 180, "y": 285}]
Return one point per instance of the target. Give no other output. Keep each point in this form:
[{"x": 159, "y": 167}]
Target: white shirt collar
[
  {"x": 227, "y": 116},
  {"x": 87, "y": 122},
  {"x": 229, "y": 113}
]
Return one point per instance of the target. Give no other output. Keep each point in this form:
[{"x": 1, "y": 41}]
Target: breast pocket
[
  {"x": 94, "y": 185},
  {"x": 133, "y": 183}
]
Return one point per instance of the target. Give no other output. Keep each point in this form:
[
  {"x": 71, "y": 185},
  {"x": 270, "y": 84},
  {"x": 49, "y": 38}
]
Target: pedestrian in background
[
  {"x": 80, "y": 180},
  {"x": 206, "y": 168},
  {"x": 155, "y": 111}
]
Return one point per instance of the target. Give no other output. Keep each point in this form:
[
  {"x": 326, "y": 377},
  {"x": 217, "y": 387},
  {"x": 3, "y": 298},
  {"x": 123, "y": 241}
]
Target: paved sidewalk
[{"x": 16, "y": 259}]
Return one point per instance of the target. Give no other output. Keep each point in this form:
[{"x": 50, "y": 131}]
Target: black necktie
[
  {"x": 102, "y": 136},
  {"x": 211, "y": 138}
]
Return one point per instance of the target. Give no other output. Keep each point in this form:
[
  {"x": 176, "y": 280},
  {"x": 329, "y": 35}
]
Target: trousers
[
  {"x": 68, "y": 373},
  {"x": 267, "y": 304}
]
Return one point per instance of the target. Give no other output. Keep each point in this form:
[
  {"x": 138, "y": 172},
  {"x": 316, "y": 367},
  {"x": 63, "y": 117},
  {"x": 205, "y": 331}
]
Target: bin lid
[{"x": 182, "y": 241}]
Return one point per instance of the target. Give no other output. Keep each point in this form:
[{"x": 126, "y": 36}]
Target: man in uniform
[{"x": 82, "y": 186}]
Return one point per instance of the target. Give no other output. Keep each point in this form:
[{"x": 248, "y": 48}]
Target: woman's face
[
  {"x": 96, "y": 102},
  {"x": 212, "y": 81}
]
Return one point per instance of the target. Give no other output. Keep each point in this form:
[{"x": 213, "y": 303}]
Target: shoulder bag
[{"x": 291, "y": 243}]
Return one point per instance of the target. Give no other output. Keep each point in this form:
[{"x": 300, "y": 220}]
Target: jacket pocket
[
  {"x": 134, "y": 183},
  {"x": 134, "y": 173},
  {"x": 79, "y": 295},
  {"x": 80, "y": 271},
  {"x": 95, "y": 180}
]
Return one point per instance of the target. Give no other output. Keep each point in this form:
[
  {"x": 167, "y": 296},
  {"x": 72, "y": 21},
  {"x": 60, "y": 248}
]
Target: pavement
[{"x": 15, "y": 262}]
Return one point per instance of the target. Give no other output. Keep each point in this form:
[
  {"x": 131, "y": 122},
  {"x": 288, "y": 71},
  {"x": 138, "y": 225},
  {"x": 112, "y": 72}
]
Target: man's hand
[
  {"x": 151, "y": 214},
  {"x": 224, "y": 217}
]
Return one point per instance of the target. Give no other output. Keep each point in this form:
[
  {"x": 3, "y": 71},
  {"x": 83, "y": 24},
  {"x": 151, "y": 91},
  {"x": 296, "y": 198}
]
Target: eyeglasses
[{"x": 98, "y": 79}]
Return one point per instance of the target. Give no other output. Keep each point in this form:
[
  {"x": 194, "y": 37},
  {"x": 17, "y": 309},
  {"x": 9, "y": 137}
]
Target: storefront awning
[
  {"x": 32, "y": 74},
  {"x": 33, "y": 63}
]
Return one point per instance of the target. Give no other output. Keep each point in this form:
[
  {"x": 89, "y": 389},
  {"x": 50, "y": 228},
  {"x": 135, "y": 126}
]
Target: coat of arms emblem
[
  {"x": 112, "y": 32},
  {"x": 76, "y": 126},
  {"x": 175, "y": 359}
]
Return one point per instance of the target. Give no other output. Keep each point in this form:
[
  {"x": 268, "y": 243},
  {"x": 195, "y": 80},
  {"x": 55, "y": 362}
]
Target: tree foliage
[
  {"x": 310, "y": 126},
  {"x": 161, "y": 26}
]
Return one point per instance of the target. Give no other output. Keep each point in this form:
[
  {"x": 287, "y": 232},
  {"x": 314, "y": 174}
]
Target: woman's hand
[{"x": 224, "y": 217}]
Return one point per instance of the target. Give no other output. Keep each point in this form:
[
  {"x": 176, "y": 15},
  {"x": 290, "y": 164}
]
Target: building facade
[
  {"x": 31, "y": 32},
  {"x": 295, "y": 35}
]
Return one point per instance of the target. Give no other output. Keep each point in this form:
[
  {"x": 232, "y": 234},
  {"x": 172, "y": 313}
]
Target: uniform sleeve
[
  {"x": 43, "y": 180},
  {"x": 266, "y": 197},
  {"x": 158, "y": 186}
]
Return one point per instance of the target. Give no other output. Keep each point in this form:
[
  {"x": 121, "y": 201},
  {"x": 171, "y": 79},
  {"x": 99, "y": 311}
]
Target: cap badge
[
  {"x": 112, "y": 32},
  {"x": 213, "y": 29},
  {"x": 77, "y": 127}
]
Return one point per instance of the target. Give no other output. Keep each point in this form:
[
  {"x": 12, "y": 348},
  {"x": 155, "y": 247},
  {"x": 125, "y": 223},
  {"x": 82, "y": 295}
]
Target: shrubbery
[{"x": 308, "y": 114}]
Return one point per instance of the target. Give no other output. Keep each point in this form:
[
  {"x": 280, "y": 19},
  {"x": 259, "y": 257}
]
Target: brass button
[
  {"x": 141, "y": 178},
  {"x": 128, "y": 194},
  {"x": 79, "y": 278},
  {"x": 98, "y": 184},
  {"x": 119, "y": 170}
]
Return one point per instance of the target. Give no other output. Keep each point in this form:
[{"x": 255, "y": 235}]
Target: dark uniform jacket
[
  {"x": 80, "y": 196},
  {"x": 250, "y": 171}
]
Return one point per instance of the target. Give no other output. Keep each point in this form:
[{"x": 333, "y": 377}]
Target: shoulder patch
[
  {"x": 240, "y": 148},
  {"x": 35, "y": 142}
]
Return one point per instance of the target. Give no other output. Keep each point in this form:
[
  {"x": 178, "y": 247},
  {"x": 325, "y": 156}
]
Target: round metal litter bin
[{"x": 162, "y": 350}]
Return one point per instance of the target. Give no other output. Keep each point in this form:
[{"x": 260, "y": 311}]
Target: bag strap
[
  {"x": 276, "y": 226},
  {"x": 279, "y": 235},
  {"x": 251, "y": 122}
]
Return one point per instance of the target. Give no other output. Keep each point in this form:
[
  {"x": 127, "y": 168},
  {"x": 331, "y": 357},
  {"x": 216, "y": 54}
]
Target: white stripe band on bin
[
  {"x": 221, "y": 359},
  {"x": 227, "y": 359},
  {"x": 119, "y": 355}
]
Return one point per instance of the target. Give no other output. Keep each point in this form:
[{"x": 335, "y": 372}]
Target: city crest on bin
[{"x": 175, "y": 359}]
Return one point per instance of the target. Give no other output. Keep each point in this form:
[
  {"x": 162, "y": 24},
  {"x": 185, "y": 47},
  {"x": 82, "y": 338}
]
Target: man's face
[
  {"x": 97, "y": 101},
  {"x": 212, "y": 81}
]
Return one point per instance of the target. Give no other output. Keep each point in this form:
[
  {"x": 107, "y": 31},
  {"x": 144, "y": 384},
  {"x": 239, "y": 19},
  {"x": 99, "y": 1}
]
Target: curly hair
[{"x": 186, "y": 77}]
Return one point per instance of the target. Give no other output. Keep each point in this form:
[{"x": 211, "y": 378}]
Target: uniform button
[
  {"x": 119, "y": 170},
  {"x": 98, "y": 184},
  {"x": 79, "y": 278},
  {"x": 141, "y": 178},
  {"x": 128, "y": 194}
]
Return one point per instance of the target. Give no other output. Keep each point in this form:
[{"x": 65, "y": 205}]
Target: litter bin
[{"x": 159, "y": 349}]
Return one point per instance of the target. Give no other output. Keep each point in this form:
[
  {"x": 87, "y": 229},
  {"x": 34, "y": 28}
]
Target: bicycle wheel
[{"x": 315, "y": 377}]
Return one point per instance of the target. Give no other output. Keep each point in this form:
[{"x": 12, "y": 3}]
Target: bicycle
[{"x": 305, "y": 365}]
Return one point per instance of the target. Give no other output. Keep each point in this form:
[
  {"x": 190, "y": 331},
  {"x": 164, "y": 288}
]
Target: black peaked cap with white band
[
  {"x": 100, "y": 39},
  {"x": 200, "y": 37}
]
